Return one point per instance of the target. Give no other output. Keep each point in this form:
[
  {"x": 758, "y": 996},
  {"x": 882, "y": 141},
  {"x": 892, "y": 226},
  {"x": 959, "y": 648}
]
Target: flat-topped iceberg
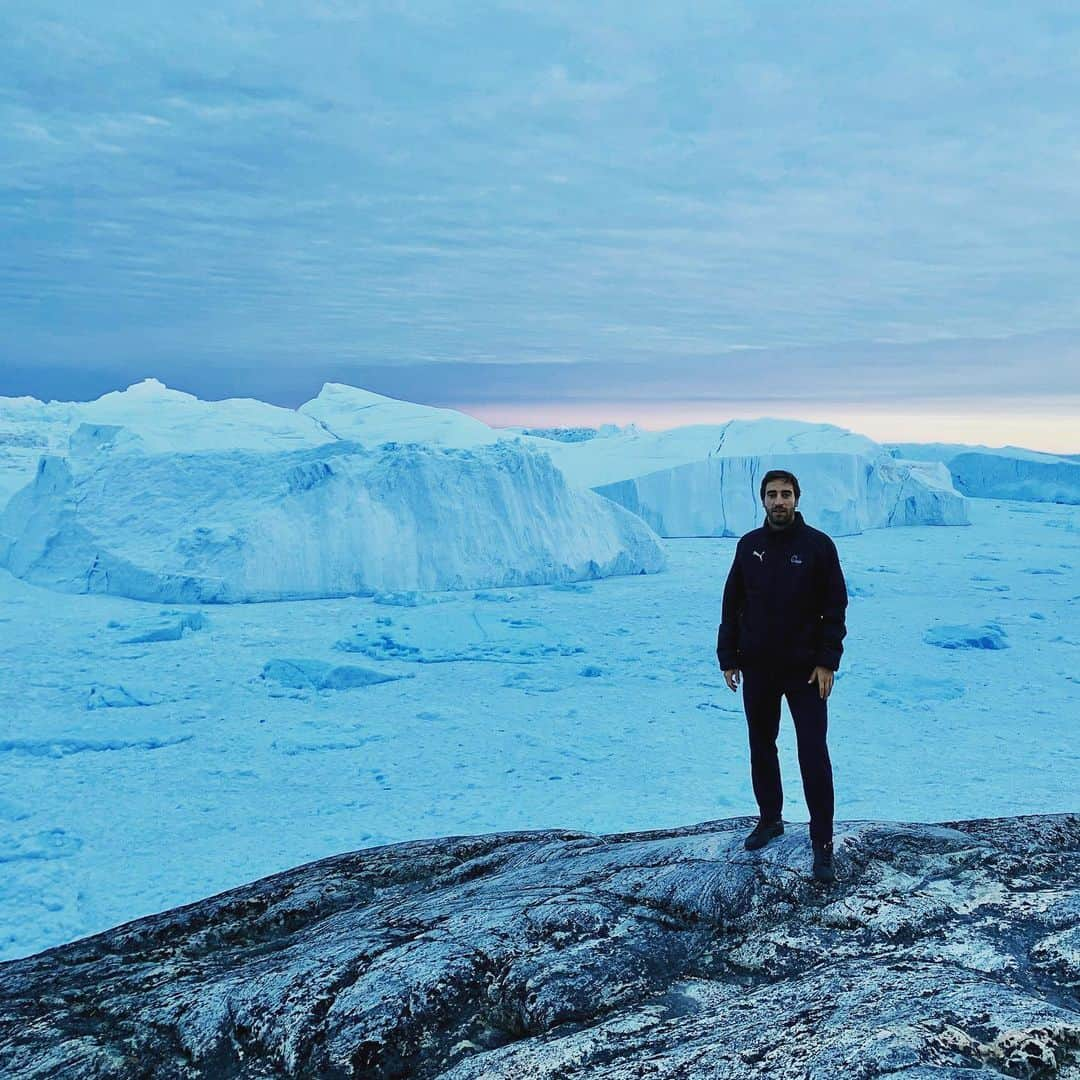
[
  {"x": 340, "y": 519},
  {"x": 1004, "y": 472},
  {"x": 704, "y": 480}
]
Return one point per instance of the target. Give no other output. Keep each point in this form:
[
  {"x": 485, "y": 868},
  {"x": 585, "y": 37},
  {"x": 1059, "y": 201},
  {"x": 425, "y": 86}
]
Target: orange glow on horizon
[{"x": 1050, "y": 427}]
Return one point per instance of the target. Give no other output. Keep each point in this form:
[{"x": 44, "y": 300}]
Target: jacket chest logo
[
  {"x": 760, "y": 556},
  {"x": 796, "y": 561}
]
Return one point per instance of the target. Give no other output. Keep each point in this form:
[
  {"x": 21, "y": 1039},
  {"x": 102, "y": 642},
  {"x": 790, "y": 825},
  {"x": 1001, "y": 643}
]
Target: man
[{"x": 782, "y": 629}]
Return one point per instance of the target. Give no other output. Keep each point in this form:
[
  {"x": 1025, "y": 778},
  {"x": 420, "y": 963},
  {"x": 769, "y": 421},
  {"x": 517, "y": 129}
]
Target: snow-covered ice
[
  {"x": 987, "y": 636},
  {"x": 321, "y": 675},
  {"x": 590, "y": 705}
]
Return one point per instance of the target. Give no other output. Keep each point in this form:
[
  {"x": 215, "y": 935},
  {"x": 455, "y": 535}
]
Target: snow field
[{"x": 594, "y": 705}]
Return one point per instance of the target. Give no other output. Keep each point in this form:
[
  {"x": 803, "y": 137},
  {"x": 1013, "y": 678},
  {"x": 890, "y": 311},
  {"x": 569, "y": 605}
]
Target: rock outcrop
[{"x": 942, "y": 951}]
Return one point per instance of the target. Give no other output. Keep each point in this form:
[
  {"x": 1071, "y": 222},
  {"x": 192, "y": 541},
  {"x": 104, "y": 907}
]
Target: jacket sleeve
[
  {"x": 833, "y": 627},
  {"x": 727, "y": 636}
]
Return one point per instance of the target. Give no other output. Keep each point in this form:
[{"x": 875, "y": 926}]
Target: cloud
[{"x": 598, "y": 199}]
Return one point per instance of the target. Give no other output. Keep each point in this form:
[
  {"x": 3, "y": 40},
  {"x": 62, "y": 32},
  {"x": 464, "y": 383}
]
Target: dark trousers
[{"x": 762, "y": 691}]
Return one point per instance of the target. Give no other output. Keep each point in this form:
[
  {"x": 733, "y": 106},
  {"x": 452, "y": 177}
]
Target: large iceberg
[
  {"x": 332, "y": 520},
  {"x": 699, "y": 480},
  {"x": 150, "y": 492},
  {"x": 1006, "y": 472},
  {"x": 155, "y": 418},
  {"x": 26, "y": 432},
  {"x": 347, "y": 412},
  {"x": 148, "y": 416},
  {"x": 704, "y": 480}
]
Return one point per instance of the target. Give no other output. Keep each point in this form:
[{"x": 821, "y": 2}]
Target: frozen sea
[{"x": 235, "y": 741}]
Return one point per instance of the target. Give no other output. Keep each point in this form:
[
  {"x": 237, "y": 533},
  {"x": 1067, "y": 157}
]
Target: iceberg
[
  {"x": 149, "y": 417},
  {"x": 332, "y": 520},
  {"x": 362, "y": 416},
  {"x": 1006, "y": 472},
  {"x": 703, "y": 480},
  {"x": 28, "y": 429},
  {"x": 157, "y": 419},
  {"x": 700, "y": 480}
]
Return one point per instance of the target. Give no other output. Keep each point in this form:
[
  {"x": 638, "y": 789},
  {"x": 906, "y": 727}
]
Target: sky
[{"x": 866, "y": 213}]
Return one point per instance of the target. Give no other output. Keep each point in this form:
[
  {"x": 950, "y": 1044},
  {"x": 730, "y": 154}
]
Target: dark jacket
[{"x": 784, "y": 601}]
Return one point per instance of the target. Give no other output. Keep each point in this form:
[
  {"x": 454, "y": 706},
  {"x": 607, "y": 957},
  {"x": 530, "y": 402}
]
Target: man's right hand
[{"x": 731, "y": 677}]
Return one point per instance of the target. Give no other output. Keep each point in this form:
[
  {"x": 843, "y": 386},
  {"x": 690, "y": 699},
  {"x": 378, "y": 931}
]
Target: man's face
[{"x": 780, "y": 502}]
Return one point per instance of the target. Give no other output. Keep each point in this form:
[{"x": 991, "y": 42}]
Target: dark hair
[{"x": 780, "y": 474}]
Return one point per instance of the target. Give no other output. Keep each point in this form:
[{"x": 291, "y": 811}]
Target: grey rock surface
[{"x": 943, "y": 951}]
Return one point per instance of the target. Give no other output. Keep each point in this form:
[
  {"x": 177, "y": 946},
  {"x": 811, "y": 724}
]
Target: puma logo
[{"x": 760, "y": 555}]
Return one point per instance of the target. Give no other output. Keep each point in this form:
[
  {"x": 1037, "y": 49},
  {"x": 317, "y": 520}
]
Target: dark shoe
[
  {"x": 764, "y": 831},
  {"x": 823, "y": 864}
]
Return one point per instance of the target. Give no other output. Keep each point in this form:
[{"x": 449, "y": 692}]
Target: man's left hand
[{"x": 824, "y": 680}]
